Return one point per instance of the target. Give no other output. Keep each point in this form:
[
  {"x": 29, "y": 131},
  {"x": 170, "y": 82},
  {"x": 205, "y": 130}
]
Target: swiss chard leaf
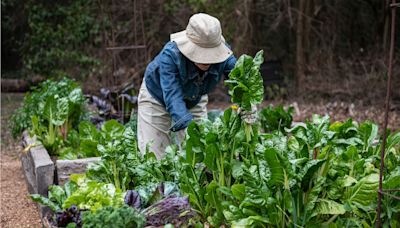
[
  {"x": 275, "y": 166},
  {"x": 245, "y": 81},
  {"x": 363, "y": 194},
  {"x": 273, "y": 119}
]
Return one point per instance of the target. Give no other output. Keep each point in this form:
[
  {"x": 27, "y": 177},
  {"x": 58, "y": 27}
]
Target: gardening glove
[
  {"x": 249, "y": 117},
  {"x": 179, "y": 137}
]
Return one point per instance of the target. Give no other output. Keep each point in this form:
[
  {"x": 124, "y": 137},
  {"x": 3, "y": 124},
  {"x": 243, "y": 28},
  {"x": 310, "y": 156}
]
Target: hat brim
[{"x": 199, "y": 54}]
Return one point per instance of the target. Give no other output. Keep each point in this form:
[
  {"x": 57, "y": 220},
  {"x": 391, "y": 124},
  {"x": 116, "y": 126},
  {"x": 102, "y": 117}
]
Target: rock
[{"x": 67, "y": 167}]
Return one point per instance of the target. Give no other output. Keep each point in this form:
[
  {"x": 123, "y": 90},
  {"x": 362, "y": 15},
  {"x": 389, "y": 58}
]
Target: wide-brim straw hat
[{"x": 202, "y": 41}]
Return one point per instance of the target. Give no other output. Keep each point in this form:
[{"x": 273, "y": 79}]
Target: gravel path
[{"x": 16, "y": 208}]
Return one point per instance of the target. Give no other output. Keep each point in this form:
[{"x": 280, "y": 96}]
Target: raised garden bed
[{"x": 41, "y": 170}]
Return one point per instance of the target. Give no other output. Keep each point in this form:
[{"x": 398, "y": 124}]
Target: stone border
[
  {"x": 67, "y": 167},
  {"x": 41, "y": 171},
  {"x": 38, "y": 168}
]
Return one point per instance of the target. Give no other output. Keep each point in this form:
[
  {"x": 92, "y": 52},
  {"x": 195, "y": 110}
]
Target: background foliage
[{"x": 327, "y": 48}]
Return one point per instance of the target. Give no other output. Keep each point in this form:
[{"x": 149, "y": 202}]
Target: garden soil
[{"x": 17, "y": 210}]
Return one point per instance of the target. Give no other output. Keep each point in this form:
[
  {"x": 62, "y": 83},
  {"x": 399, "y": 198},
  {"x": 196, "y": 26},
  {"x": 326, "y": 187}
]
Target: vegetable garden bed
[
  {"x": 235, "y": 170},
  {"x": 41, "y": 171}
]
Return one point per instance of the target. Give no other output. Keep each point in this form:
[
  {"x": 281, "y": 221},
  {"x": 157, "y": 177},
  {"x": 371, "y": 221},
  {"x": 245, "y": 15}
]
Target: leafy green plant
[
  {"x": 58, "y": 113},
  {"x": 210, "y": 163},
  {"x": 118, "y": 149},
  {"x": 91, "y": 195},
  {"x": 56, "y": 196},
  {"x": 247, "y": 90},
  {"x": 334, "y": 185},
  {"x": 275, "y": 119},
  {"x": 245, "y": 81},
  {"x": 59, "y": 36},
  {"x": 121, "y": 164},
  {"x": 114, "y": 217},
  {"x": 65, "y": 90}
]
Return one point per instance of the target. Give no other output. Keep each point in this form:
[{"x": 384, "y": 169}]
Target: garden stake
[{"x": 387, "y": 106}]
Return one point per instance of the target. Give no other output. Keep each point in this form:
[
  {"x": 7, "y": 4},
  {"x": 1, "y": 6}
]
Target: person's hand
[
  {"x": 179, "y": 137},
  {"x": 249, "y": 117}
]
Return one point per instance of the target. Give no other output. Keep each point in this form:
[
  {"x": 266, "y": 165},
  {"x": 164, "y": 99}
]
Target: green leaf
[
  {"x": 276, "y": 168},
  {"x": 76, "y": 96},
  {"x": 88, "y": 147},
  {"x": 114, "y": 217},
  {"x": 237, "y": 170},
  {"x": 112, "y": 129},
  {"x": 50, "y": 109},
  {"x": 245, "y": 81},
  {"x": 277, "y": 118},
  {"x": 328, "y": 207},
  {"x": 363, "y": 193},
  {"x": 309, "y": 169},
  {"x": 313, "y": 195},
  {"x": 78, "y": 179},
  {"x": 45, "y": 201},
  {"x": 293, "y": 144},
  {"x": 56, "y": 110},
  {"x": 210, "y": 158},
  {"x": 67, "y": 153},
  {"x": 69, "y": 188},
  {"x": 392, "y": 181},
  {"x": 368, "y": 132},
  {"x": 213, "y": 199},
  {"x": 61, "y": 114},
  {"x": 239, "y": 191},
  {"x": 95, "y": 195},
  {"x": 57, "y": 194},
  {"x": 250, "y": 221},
  {"x": 87, "y": 130},
  {"x": 347, "y": 181}
]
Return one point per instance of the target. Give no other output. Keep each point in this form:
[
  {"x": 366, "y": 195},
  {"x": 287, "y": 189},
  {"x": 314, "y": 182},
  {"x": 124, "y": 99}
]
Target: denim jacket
[{"x": 174, "y": 81}]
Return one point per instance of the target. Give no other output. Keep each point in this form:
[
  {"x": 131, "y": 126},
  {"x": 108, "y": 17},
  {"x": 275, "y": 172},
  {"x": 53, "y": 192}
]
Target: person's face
[{"x": 203, "y": 67}]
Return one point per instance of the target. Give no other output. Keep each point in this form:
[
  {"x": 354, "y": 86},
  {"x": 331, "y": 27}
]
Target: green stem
[
  {"x": 116, "y": 176},
  {"x": 196, "y": 180},
  {"x": 220, "y": 166},
  {"x": 294, "y": 209},
  {"x": 248, "y": 132},
  {"x": 331, "y": 220},
  {"x": 231, "y": 162},
  {"x": 51, "y": 138}
]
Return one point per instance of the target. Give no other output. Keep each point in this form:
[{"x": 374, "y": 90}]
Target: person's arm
[
  {"x": 230, "y": 64},
  {"x": 172, "y": 91}
]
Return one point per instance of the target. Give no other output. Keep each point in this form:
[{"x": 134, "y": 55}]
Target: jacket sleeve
[
  {"x": 229, "y": 65},
  {"x": 172, "y": 91}
]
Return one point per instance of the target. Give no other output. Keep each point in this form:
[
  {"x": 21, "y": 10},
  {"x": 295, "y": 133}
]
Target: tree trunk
[{"x": 300, "y": 76}]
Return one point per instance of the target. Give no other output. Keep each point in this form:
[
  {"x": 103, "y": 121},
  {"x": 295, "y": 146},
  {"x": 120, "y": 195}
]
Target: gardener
[{"x": 176, "y": 83}]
